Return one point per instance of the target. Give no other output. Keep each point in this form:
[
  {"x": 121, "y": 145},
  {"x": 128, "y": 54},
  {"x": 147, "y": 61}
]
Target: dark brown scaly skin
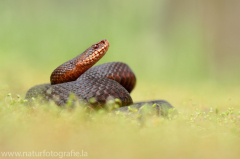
[
  {"x": 116, "y": 71},
  {"x": 77, "y": 76},
  {"x": 161, "y": 108},
  {"x": 99, "y": 88}
]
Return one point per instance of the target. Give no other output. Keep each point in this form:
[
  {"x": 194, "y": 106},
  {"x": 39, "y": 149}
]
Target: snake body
[{"x": 78, "y": 77}]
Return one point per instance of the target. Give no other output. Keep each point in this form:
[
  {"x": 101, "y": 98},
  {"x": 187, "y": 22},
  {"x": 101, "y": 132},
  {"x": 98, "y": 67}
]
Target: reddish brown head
[{"x": 72, "y": 69}]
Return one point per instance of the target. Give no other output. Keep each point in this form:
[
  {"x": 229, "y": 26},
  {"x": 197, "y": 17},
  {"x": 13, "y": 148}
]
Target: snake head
[
  {"x": 72, "y": 69},
  {"x": 93, "y": 53}
]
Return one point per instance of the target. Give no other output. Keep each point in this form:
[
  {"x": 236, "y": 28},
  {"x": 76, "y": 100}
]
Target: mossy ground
[{"x": 200, "y": 130}]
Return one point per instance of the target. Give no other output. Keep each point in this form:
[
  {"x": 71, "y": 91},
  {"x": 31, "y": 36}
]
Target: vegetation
[{"x": 194, "y": 133}]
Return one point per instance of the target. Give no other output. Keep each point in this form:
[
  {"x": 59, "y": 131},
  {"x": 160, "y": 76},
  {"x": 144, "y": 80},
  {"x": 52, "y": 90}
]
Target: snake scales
[{"x": 77, "y": 76}]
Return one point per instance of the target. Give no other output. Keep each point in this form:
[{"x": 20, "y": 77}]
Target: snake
[{"x": 91, "y": 85}]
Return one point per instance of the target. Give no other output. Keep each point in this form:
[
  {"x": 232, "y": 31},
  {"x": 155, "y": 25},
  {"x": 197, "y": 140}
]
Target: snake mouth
[{"x": 96, "y": 52}]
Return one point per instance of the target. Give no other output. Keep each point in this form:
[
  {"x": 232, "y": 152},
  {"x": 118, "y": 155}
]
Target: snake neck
[{"x": 72, "y": 69}]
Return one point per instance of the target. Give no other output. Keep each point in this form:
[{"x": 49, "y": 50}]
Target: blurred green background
[{"x": 165, "y": 42}]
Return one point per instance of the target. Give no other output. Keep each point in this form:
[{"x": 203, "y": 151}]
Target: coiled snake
[{"x": 77, "y": 76}]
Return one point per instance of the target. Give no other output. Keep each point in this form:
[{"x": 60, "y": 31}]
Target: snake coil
[{"x": 78, "y": 77}]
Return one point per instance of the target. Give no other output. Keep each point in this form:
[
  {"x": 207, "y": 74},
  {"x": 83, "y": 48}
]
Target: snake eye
[{"x": 95, "y": 46}]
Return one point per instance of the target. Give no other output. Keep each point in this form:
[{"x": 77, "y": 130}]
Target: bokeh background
[{"x": 170, "y": 44}]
